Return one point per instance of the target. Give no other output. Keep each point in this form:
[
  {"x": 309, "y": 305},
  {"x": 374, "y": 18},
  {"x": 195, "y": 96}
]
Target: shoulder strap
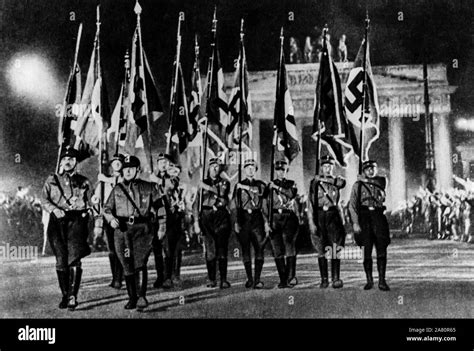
[
  {"x": 129, "y": 198},
  {"x": 61, "y": 190},
  {"x": 326, "y": 194}
]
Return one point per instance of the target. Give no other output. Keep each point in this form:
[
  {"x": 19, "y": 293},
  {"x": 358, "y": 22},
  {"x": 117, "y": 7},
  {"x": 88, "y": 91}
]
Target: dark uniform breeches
[
  {"x": 68, "y": 238},
  {"x": 252, "y": 232},
  {"x": 133, "y": 245},
  {"x": 216, "y": 229},
  {"x": 330, "y": 231},
  {"x": 174, "y": 233},
  {"x": 109, "y": 235},
  {"x": 284, "y": 234},
  {"x": 375, "y": 231}
]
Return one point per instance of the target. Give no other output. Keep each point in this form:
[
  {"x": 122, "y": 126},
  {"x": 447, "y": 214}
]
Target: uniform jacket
[
  {"x": 369, "y": 193},
  {"x": 324, "y": 192},
  {"x": 147, "y": 198},
  {"x": 284, "y": 198},
  {"x": 75, "y": 194},
  {"x": 251, "y": 195},
  {"x": 215, "y": 193}
]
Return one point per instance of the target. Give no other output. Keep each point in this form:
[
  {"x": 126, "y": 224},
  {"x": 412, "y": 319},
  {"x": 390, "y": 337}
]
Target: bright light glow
[
  {"x": 465, "y": 124},
  {"x": 30, "y": 75}
]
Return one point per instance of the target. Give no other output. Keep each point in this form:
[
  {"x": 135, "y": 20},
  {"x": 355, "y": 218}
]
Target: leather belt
[
  {"x": 327, "y": 208},
  {"x": 372, "y": 208},
  {"x": 282, "y": 210},
  {"x": 134, "y": 219},
  {"x": 251, "y": 211}
]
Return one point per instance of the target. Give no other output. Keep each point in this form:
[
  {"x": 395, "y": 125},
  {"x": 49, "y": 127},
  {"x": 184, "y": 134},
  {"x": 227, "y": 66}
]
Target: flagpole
[
  {"x": 365, "y": 105},
  {"x": 66, "y": 95},
  {"x": 124, "y": 91},
  {"x": 275, "y": 118},
  {"x": 242, "y": 94},
  {"x": 174, "y": 85},
  {"x": 101, "y": 124},
  {"x": 138, "y": 11},
  {"x": 321, "y": 79},
  {"x": 210, "y": 76}
]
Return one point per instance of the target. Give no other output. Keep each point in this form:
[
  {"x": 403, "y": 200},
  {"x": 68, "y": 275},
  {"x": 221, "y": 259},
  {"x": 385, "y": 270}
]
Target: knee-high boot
[
  {"x": 63, "y": 279},
  {"x": 323, "y": 271},
  {"x": 75, "y": 275}
]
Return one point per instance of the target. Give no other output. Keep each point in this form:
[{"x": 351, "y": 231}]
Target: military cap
[
  {"x": 131, "y": 161},
  {"x": 117, "y": 157},
  {"x": 281, "y": 165},
  {"x": 163, "y": 156},
  {"x": 214, "y": 160},
  {"x": 69, "y": 151},
  {"x": 327, "y": 159},
  {"x": 369, "y": 163},
  {"x": 250, "y": 162}
]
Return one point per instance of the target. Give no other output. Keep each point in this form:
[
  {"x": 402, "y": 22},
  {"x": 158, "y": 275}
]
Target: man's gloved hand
[{"x": 59, "y": 213}]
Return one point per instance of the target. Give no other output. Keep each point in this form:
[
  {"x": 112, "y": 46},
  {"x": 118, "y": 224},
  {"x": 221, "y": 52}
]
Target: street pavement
[{"x": 428, "y": 279}]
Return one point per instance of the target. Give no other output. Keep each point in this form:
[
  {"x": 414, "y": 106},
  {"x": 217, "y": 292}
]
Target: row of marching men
[{"x": 140, "y": 217}]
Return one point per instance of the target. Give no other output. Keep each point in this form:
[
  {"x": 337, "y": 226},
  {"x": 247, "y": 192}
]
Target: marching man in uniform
[
  {"x": 101, "y": 226},
  {"x": 130, "y": 210},
  {"x": 214, "y": 222},
  {"x": 67, "y": 197},
  {"x": 284, "y": 224},
  {"x": 328, "y": 230},
  {"x": 370, "y": 225},
  {"x": 161, "y": 178},
  {"x": 251, "y": 224}
]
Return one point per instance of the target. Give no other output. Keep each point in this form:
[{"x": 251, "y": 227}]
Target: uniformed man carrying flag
[
  {"x": 325, "y": 221},
  {"x": 161, "y": 178},
  {"x": 284, "y": 224},
  {"x": 130, "y": 210},
  {"x": 214, "y": 222},
  {"x": 370, "y": 225},
  {"x": 101, "y": 226},
  {"x": 66, "y": 196},
  {"x": 251, "y": 222}
]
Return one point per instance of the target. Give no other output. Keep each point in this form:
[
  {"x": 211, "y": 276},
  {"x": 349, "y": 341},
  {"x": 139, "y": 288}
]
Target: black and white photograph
[{"x": 224, "y": 159}]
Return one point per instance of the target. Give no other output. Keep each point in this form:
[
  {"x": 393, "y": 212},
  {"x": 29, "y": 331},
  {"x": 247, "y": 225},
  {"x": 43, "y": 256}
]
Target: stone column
[
  {"x": 442, "y": 150},
  {"x": 397, "y": 177}
]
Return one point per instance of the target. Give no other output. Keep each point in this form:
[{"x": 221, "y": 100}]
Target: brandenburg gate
[{"x": 401, "y": 97}]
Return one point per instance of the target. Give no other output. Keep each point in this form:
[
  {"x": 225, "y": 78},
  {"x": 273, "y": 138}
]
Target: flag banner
[
  {"x": 216, "y": 108},
  {"x": 181, "y": 130},
  {"x": 335, "y": 133},
  {"x": 239, "y": 108},
  {"x": 285, "y": 138},
  {"x": 195, "y": 118},
  {"x": 70, "y": 110},
  {"x": 94, "y": 118},
  {"x": 354, "y": 100},
  {"x": 145, "y": 104}
]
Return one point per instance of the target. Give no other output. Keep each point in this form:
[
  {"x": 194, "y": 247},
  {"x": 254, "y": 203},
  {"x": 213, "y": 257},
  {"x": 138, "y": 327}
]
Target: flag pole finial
[
  {"x": 367, "y": 19},
  {"x": 214, "y": 20},
  {"x": 196, "y": 44},
  {"x": 138, "y": 8}
]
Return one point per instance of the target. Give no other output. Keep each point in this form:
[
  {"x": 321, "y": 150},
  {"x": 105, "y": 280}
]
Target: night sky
[{"x": 29, "y": 128}]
